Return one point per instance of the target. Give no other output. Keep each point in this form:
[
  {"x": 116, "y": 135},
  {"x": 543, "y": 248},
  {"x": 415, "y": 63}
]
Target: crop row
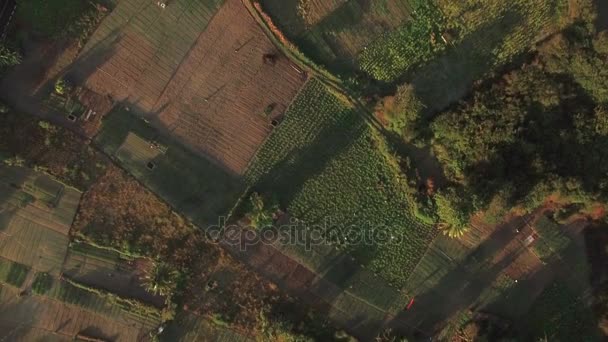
[
  {"x": 498, "y": 31},
  {"x": 324, "y": 165},
  {"x": 414, "y": 42}
]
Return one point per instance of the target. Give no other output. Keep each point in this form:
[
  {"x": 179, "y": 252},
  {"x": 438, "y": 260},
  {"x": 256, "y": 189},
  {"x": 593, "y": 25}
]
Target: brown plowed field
[{"x": 207, "y": 85}]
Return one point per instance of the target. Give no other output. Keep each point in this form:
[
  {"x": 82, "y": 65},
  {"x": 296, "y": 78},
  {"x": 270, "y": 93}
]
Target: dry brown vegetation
[
  {"x": 117, "y": 211},
  {"x": 60, "y": 152}
]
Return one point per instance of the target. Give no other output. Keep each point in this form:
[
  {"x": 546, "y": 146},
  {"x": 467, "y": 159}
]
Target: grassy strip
[
  {"x": 73, "y": 292},
  {"x": 81, "y": 238}
]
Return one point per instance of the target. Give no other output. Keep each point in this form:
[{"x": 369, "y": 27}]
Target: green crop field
[
  {"x": 442, "y": 257},
  {"x": 43, "y": 282},
  {"x": 190, "y": 183},
  {"x": 325, "y": 164},
  {"x": 13, "y": 273},
  {"x": 558, "y": 314},
  {"x": 36, "y": 213}
]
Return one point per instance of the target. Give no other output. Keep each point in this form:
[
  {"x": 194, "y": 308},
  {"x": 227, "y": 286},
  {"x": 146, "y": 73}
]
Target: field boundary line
[
  {"x": 120, "y": 320},
  {"x": 260, "y": 270},
  {"x": 185, "y": 57}
]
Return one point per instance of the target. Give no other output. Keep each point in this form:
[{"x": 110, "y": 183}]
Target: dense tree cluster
[{"x": 539, "y": 130}]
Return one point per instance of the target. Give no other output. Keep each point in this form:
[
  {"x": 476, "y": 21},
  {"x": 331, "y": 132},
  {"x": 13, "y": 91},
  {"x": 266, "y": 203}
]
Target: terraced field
[{"x": 176, "y": 67}]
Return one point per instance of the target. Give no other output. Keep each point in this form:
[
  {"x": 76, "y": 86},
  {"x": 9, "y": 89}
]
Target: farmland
[
  {"x": 109, "y": 270},
  {"x": 558, "y": 312},
  {"x": 119, "y": 213},
  {"x": 433, "y": 213},
  {"x": 158, "y": 62},
  {"x": 35, "y": 317},
  {"x": 37, "y": 213},
  {"x": 198, "y": 188},
  {"x": 335, "y": 32},
  {"x": 426, "y": 43},
  {"x": 325, "y": 166},
  {"x": 189, "y": 327}
]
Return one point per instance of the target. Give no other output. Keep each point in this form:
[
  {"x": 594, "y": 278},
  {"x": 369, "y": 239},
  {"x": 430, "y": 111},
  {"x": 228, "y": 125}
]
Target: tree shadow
[
  {"x": 288, "y": 176},
  {"x": 451, "y": 76},
  {"x": 23, "y": 89},
  {"x": 460, "y": 288}
]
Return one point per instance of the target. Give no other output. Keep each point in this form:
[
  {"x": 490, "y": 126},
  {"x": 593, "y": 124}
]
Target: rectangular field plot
[
  {"x": 191, "y": 184},
  {"x": 110, "y": 271},
  {"x": 214, "y": 86},
  {"x": 442, "y": 257},
  {"x": 38, "y": 318},
  {"x": 326, "y": 167},
  {"x": 36, "y": 213},
  {"x": 13, "y": 273}
]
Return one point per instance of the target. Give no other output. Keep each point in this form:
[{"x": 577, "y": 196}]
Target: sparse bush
[
  {"x": 62, "y": 87},
  {"x": 8, "y": 57},
  {"x": 261, "y": 213}
]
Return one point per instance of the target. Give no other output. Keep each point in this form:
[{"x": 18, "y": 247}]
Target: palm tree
[
  {"x": 452, "y": 230},
  {"x": 160, "y": 279},
  {"x": 261, "y": 214},
  {"x": 8, "y": 57}
]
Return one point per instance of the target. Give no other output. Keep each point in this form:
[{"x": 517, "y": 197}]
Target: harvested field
[
  {"x": 188, "y": 92},
  {"x": 28, "y": 317},
  {"x": 36, "y": 213}
]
